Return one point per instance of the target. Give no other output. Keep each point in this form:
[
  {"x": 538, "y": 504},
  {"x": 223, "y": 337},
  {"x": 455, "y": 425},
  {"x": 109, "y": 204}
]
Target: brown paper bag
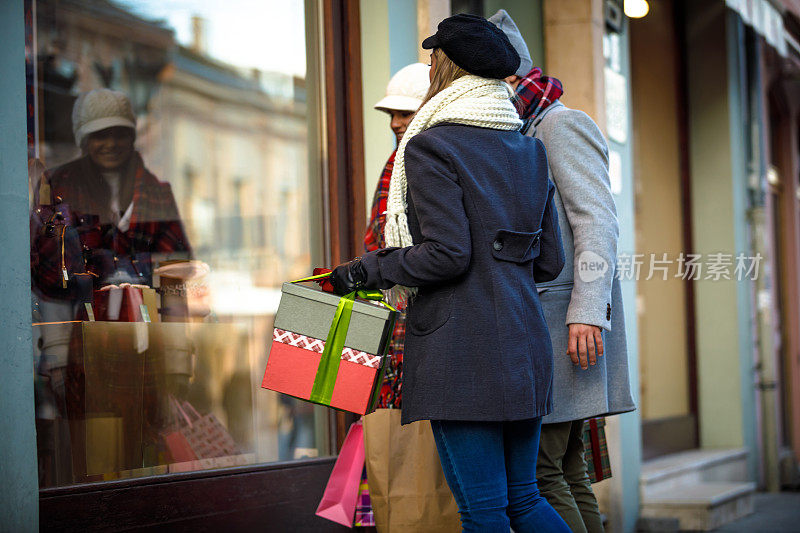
[
  {"x": 406, "y": 483},
  {"x": 105, "y": 443}
]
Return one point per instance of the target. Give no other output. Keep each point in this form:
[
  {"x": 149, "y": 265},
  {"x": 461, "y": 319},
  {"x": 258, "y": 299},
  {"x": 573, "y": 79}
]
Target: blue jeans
[{"x": 491, "y": 469}]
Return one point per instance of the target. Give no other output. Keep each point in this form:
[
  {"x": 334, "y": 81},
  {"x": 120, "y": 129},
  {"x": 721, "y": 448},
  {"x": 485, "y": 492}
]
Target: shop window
[{"x": 165, "y": 216}]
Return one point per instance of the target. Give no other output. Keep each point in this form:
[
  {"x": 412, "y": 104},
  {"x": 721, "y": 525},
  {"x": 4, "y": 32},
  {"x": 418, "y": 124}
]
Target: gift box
[
  {"x": 329, "y": 350},
  {"x": 120, "y": 304}
]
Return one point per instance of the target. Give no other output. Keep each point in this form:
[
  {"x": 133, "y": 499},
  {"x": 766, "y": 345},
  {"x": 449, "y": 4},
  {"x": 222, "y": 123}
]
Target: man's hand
[{"x": 585, "y": 344}]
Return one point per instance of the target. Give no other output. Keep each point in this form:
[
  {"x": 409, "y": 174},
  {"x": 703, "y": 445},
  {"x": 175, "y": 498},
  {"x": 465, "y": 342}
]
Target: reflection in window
[{"x": 170, "y": 199}]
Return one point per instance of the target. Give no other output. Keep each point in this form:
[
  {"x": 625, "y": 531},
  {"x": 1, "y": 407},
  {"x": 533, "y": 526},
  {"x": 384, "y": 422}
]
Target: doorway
[{"x": 668, "y": 398}]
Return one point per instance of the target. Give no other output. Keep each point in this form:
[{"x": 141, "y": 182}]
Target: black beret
[{"x": 476, "y": 45}]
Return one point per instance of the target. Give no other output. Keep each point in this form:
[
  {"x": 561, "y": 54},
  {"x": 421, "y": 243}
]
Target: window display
[{"x": 171, "y": 196}]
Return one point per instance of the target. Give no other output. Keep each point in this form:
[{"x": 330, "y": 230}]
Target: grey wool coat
[
  {"x": 583, "y": 293},
  {"x": 480, "y": 208}
]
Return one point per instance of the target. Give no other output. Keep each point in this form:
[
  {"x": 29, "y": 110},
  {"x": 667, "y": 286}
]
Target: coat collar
[{"x": 531, "y": 128}]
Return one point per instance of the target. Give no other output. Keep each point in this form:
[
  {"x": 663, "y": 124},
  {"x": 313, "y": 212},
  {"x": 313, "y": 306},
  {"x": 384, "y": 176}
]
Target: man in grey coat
[{"x": 583, "y": 305}]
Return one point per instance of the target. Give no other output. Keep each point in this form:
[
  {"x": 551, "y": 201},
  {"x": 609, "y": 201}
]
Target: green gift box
[{"x": 329, "y": 350}]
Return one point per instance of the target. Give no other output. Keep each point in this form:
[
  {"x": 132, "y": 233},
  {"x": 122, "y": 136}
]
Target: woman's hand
[
  {"x": 585, "y": 344},
  {"x": 348, "y": 277}
]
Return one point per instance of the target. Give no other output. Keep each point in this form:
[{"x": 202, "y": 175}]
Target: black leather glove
[{"x": 348, "y": 277}]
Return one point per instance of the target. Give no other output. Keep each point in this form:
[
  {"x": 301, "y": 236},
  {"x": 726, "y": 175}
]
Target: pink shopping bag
[
  {"x": 341, "y": 493},
  {"x": 195, "y": 436}
]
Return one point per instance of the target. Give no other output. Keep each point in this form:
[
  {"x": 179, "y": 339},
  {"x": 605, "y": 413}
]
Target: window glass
[{"x": 171, "y": 195}]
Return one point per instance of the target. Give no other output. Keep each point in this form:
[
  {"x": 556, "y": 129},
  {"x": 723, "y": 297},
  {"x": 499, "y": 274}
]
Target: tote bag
[
  {"x": 339, "y": 500},
  {"x": 407, "y": 487}
]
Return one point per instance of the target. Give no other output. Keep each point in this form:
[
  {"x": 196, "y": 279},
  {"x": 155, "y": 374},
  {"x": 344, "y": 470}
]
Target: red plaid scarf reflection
[
  {"x": 391, "y": 390},
  {"x": 373, "y": 240},
  {"x": 534, "y": 93}
]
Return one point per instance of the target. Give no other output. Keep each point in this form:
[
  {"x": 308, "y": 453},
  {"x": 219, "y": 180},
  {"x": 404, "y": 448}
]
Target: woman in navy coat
[{"x": 470, "y": 230}]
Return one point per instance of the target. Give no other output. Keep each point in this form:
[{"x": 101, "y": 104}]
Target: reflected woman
[
  {"x": 109, "y": 210},
  {"x": 96, "y": 221}
]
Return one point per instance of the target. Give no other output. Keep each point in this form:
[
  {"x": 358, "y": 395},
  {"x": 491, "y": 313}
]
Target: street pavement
[{"x": 774, "y": 513}]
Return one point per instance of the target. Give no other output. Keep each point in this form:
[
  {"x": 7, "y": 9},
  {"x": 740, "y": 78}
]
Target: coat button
[
  {"x": 497, "y": 245},
  {"x": 608, "y": 311}
]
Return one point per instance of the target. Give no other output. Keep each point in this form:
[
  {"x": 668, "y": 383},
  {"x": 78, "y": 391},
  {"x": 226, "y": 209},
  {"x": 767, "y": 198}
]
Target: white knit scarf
[{"x": 470, "y": 100}]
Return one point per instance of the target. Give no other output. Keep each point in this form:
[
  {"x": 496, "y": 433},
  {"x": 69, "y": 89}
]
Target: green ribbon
[{"x": 328, "y": 368}]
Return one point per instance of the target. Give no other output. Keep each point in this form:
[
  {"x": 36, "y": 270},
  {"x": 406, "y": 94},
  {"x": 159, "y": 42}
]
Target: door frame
[{"x": 677, "y": 433}]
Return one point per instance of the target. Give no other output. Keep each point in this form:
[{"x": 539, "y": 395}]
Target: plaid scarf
[
  {"x": 391, "y": 389},
  {"x": 373, "y": 240},
  {"x": 534, "y": 94}
]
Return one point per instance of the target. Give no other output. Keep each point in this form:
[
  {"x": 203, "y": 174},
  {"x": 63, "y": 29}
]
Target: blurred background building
[{"x": 273, "y": 173}]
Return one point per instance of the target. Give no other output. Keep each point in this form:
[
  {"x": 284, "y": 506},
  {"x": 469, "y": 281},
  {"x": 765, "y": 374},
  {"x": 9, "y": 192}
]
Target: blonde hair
[{"x": 446, "y": 73}]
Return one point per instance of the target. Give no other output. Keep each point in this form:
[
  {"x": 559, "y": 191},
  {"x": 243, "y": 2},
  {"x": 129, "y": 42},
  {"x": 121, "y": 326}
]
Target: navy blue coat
[{"x": 480, "y": 207}]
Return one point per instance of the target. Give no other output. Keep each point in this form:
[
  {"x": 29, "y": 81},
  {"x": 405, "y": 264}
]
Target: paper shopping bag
[
  {"x": 341, "y": 493},
  {"x": 195, "y": 436},
  {"x": 105, "y": 445},
  {"x": 180, "y": 450},
  {"x": 364, "y": 517},
  {"x": 407, "y": 487}
]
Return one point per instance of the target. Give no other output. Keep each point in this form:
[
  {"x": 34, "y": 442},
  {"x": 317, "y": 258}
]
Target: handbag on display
[
  {"x": 58, "y": 266},
  {"x": 340, "y": 498},
  {"x": 595, "y": 449},
  {"x": 184, "y": 290}
]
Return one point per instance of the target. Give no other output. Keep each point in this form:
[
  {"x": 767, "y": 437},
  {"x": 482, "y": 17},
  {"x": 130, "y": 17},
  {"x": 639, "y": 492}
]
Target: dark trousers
[
  {"x": 491, "y": 469},
  {"x": 563, "y": 479}
]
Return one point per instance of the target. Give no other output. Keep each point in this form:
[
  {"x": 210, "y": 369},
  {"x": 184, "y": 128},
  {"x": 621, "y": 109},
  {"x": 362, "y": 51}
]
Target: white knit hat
[
  {"x": 100, "y": 109},
  {"x": 406, "y": 89}
]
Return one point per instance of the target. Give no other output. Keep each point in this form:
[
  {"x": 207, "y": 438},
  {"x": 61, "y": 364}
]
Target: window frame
[{"x": 283, "y": 493}]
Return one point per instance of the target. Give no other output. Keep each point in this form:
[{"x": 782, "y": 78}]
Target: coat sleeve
[
  {"x": 445, "y": 248},
  {"x": 547, "y": 266},
  {"x": 578, "y": 159}
]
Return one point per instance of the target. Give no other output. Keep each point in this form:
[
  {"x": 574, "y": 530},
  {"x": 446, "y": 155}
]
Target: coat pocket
[
  {"x": 554, "y": 291},
  {"x": 430, "y": 309},
  {"x": 516, "y": 246}
]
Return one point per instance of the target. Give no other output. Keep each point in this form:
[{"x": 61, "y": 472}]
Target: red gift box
[
  {"x": 298, "y": 364},
  {"x": 119, "y": 304}
]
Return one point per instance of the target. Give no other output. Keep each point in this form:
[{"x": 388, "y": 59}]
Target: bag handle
[
  {"x": 313, "y": 278},
  {"x": 45, "y": 191},
  {"x": 189, "y": 407},
  {"x": 374, "y": 295},
  {"x": 176, "y": 404}
]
